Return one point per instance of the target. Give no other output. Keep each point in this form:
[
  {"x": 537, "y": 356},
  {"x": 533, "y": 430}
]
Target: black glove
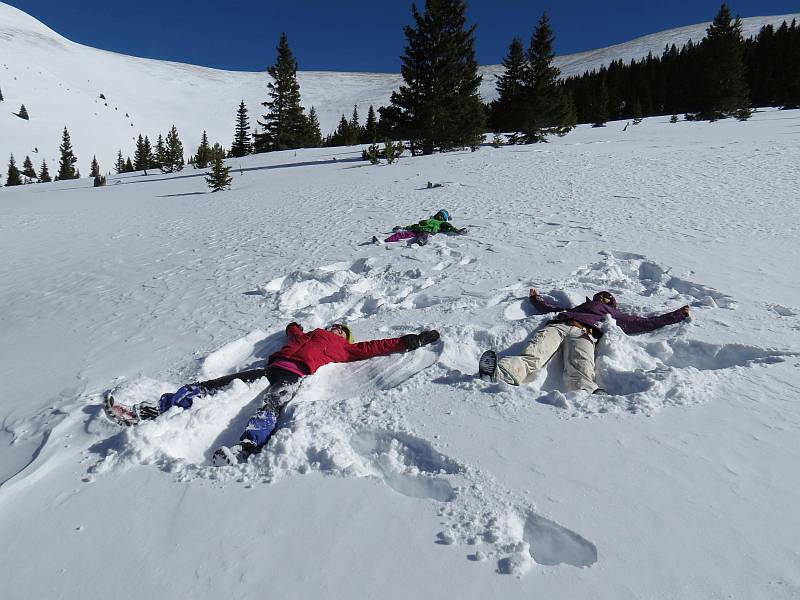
[
  {"x": 414, "y": 341},
  {"x": 461, "y": 231},
  {"x": 293, "y": 323}
]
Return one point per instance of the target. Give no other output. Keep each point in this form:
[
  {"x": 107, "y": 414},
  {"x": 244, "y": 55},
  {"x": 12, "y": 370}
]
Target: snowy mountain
[{"x": 60, "y": 83}]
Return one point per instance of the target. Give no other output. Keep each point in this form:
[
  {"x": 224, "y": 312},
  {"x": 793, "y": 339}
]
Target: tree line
[{"x": 438, "y": 107}]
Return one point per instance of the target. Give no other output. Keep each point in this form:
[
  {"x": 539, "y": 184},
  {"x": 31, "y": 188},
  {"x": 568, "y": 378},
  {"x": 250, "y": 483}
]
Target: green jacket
[{"x": 431, "y": 226}]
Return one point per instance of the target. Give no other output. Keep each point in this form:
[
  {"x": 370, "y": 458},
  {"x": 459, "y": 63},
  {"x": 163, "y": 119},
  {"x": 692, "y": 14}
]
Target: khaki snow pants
[{"x": 578, "y": 350}]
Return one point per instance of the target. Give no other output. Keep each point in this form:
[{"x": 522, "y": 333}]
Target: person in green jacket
[{"x": 438, "y": 223}]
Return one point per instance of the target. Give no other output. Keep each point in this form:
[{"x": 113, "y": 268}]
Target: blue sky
[{"x": 353, "y": 35}]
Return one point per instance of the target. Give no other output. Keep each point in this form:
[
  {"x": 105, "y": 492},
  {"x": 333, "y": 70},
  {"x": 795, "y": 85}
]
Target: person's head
[
  {"x": 605, "y": 297},
  {"x": 442, "y": 215},
  {"x": 341, "y": 330}
]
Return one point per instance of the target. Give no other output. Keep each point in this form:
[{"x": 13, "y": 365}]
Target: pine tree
[
  {"x": 371, "y": 127},
  {"x": 27, "y": 168},
  {"x": 1, "y": 95},
  {"x": 242, "y": 145},
  {"x": 119, "y": 166},
  {"x": 203, "y": 155},
  {"x": 23, "y": 113},
  {"x": 355, "y": 127},
  {"x": 507, "y": 111},
  {"x": 66, "y": 165},
  {"x": 636, "y": 111},
  {"x": 160, "y": 154},
  {"x": 313, "y": 134},
  {"x": 438, "y": 106},
  {"x": 284, "y": 126},
  {"x": 95, "y": 168},
  {"x": 220, "y": 177},
  {"x": 141, "y": 156},
  {"x": 44, "y": 174},
  {"x": 128, "y": 166},
  {"x": 173, "y": 153},
  {"x": 546, "y": 110},
  {"x": 13, "y": 177},
  {"x": 723, "y": 87},
  {"x": 599, "y": 106}
]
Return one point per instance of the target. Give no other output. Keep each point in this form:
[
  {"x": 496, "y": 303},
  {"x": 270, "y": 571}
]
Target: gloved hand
[
  {"x": 414, "y": 341},
  {"x": 461, "y": 231},
  {"x": 293, "y": 323}
]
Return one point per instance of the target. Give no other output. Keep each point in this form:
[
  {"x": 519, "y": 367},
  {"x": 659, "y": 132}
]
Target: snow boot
[
  {"x": 487, "y": 365},
  {"x": 423, "y": 238}
]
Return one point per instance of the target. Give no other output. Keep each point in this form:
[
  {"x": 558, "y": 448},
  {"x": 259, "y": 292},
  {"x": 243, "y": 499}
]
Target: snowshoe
[
  {"x": 487, "y": 365},
  {"x": 229, "y": 457},
  {"x": 127, "y": 415}
]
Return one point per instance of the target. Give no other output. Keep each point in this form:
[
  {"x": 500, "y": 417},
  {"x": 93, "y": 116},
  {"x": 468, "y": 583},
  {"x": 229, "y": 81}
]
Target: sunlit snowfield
[{"x": 404, "y": 476}]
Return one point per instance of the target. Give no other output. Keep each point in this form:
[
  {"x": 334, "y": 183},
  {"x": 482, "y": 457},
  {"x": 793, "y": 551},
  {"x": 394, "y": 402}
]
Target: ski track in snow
[{"x": 348, "y": 420}]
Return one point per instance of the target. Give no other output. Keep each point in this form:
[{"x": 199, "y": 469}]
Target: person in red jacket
[{"x": 303, "y": 355}]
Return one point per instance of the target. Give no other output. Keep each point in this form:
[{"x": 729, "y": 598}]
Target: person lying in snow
[
  {"x": 576, "y": 330},
  {"x": 438, "y": 223},
  {"x": 302, "y": 355}
]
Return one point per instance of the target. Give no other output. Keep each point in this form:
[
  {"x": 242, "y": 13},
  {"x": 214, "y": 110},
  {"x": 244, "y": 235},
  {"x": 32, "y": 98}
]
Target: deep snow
[{"x": 405, "y": 476}]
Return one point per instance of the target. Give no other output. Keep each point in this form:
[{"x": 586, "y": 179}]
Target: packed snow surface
[
  {"x": 61, "y": 82},
  {"x": 405, "y": 476}
]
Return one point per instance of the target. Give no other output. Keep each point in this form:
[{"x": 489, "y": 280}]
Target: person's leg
[
  {"x": 403, "y": 234},
  {"x": 283, "y": 386},
  {"x": 579, "y": 361},
  {"x": 540, "y": 349},
  {"x": 185, "y": 396}
]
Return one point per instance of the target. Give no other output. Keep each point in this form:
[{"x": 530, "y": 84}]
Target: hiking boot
[
  {"x": 422, "y": 238},
  {"x": 487, "y": 365},
  {"x": 600, "y": 391}
]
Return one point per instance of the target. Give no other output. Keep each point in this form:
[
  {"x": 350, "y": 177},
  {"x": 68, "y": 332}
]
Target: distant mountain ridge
[{"x": 60, "y": 83}]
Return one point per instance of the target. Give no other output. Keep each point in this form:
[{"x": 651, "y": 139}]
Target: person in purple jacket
[{"x": 576, "y": 330}]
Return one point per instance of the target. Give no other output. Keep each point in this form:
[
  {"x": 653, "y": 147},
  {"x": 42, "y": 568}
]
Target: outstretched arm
[
  {"x": 635, "y": 324},
  {"x": 543, "y": 305},
  {"x": 412, "y": 341}
]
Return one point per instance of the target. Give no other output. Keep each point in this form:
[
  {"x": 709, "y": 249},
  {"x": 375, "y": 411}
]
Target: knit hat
[{"x": 444, "y": 213}]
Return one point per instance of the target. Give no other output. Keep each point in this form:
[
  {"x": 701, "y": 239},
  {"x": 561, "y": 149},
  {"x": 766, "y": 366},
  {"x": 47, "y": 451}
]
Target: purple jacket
[{"x": 592, "y": 312}]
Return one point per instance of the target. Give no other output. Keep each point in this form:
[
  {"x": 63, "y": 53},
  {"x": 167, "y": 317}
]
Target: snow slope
[
  {"x": 60, "y": 83},
  {"x": 404, "y": 476}
]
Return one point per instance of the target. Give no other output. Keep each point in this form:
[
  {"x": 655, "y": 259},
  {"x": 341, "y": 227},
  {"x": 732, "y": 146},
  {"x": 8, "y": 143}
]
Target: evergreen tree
[
  {"x": 723, "y": 86},
  {"x": 313, "y": 134},
  {"x": 438, "y": 106},
  {"x": 173, "y": 153},
  {"x": 66, "y": 165},
  {"x": 27, "y": 168},
  {"x": 13, "y": 177},
  {"x": 44, "y": 174},
  {"x": 119, "y": 166},
  {"x": 285, "y": 126},
  {"x": 599, "y": 106},
  {"x": 507, "y": 111},
  {"x": 95, "y": 168},
  {"x": 371, "y": 127},
  {"x": 160, "y": 154},
  {"x": 23, "y": 113},
  {"x": 216, "y": 151},
  {"x": 128, "y": 166},
  {"x": 546, "y": 110},
  {"x": 141, "y": 156},
  {"x": 1, "y": 95},
  {"x": 147, "y": 151},
  {"x": 242, "y": 145},
  {"x": 355, "y": 127},
  {"x": 636, "y": 111},
  {"x": 203, "y": 155},
  {"x": 220, "y": 177}
]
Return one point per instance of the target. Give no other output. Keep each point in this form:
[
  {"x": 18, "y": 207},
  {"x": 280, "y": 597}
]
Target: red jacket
[{"x": 319, "y": 347}]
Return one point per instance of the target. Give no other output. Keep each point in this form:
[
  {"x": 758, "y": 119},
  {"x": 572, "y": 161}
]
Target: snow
[
  {"x": 405, "y": 476},
  {"x": 60, "y": 83}
]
